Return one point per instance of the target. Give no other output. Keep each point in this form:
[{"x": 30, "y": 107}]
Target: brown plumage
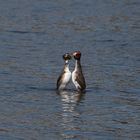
[
  {"x": 65, "y": 75},
  {"x": 77, "y": 75}
]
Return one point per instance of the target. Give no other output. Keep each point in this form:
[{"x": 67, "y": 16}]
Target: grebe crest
[{"x": 77, "y": 55}]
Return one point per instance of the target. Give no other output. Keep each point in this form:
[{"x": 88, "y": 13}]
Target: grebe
[
  {"x": 65, "y": 76},
  {"x": 77, "y": 75}
]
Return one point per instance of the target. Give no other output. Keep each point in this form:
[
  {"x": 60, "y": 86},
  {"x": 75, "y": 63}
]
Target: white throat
[
  {"x": 76, "y": 65},
  {"x": 67, "y": 66}
]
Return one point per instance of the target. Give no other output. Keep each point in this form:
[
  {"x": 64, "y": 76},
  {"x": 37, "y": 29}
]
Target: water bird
[
  {"x": 65, "y": 75},
  {"x": 77, "y": 75}
]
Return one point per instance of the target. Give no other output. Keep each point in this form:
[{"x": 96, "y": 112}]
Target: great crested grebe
[
  {"x": 65, "y": 75},
  {"x": 77, "y": 75}
]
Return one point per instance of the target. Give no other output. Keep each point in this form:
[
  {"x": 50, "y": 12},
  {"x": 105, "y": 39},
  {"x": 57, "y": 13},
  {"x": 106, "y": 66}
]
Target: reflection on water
[{"x": 70, "y": 100}]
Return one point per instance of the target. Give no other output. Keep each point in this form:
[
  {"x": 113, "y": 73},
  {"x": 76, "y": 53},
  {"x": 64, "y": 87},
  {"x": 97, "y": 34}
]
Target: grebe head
[
  {"x": 66, "y": 57},
  {"x": 77, "y": 55}
]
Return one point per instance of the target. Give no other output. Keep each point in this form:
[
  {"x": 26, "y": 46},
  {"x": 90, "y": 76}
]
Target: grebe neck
[
  {"x": 66, "y": 66},
  {"x": 77, "y": 65}
]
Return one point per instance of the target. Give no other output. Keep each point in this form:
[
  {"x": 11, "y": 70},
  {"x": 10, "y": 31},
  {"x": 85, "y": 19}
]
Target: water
[{"x": 33, "y": 36}]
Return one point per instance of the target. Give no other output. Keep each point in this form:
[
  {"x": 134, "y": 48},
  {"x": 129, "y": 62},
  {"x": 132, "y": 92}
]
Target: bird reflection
[{"x": 70, "y": 114}]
